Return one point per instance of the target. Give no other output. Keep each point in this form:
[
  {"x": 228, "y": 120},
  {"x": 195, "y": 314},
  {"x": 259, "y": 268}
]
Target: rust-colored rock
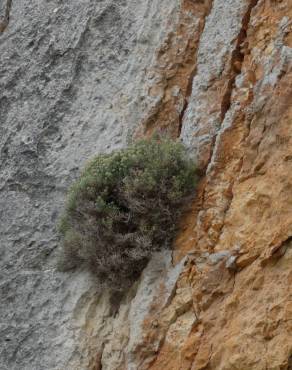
[
  {"x": 172, "y": 74},
  {"x": 237, "y": 237}
]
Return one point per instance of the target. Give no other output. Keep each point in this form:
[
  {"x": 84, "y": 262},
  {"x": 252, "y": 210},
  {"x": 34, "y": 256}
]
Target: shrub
[{"x": 124, "y": 206}]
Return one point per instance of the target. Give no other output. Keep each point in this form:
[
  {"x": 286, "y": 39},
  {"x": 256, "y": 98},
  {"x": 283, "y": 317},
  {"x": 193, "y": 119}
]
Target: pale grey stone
[
  {"x": 218, "y": 40},
  {"x": 72, "y": 77},
  {"x": 214, "y": 258}
]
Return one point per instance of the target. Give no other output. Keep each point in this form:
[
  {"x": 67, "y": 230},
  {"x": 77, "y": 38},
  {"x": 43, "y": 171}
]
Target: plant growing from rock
[{"x": 125, "y": 206}]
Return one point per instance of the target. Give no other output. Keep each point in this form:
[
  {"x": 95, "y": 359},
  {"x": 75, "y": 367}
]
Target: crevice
[
  {"x": 237, "y": 58},
  {"x": 189, "y": 88},
  {"x": 165, "y": 117},
  {"x": 5, "y": 20},
  {"x": 187, "y": 99},
  {"x": 235, "y": 69},
  {"x": 98, "y": 363}
]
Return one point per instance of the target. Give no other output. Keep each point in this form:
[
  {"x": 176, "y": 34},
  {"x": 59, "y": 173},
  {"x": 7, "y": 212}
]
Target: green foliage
[{"x": 125, "y": 206}]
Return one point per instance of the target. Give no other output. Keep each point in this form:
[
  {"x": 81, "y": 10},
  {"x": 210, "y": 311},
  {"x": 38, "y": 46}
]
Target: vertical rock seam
[
  {"x": 170, "y": 79},
  {"x": 236, "y": 60},
  {"x": 191, "y": 77}
]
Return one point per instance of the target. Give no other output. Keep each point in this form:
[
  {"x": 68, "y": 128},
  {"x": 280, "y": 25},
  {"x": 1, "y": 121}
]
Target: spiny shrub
[{"x": 124, "y": 206}]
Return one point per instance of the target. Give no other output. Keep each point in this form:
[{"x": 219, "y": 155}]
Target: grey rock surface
[
  {"x": 203, "y": 117},
  {"x": 77, "y": 78},
  {"x": 72, "y": 84}
]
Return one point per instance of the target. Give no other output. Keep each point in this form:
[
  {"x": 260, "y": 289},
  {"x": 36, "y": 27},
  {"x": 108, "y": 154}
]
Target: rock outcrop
[{"x": 86, "y": 77}]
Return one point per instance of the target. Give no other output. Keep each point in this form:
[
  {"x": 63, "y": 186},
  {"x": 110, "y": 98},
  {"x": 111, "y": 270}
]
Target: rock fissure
[
  {"x": 235, "y": 69},
  {"x": 175, "y": 78},
  {"x": 237, "y": 58},
  {"x": 189, "y": 87},
  {"x": 186, "y": 103}
]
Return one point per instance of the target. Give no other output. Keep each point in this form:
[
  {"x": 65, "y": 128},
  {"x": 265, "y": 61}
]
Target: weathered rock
[
  {"x": 72, "y": 84},
  {"x": 84, "y": 78},
  {"x": 245, "y": 206}
]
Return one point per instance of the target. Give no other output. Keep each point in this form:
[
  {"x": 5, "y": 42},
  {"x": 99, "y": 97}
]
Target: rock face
[{"x": 86, "y": 77}]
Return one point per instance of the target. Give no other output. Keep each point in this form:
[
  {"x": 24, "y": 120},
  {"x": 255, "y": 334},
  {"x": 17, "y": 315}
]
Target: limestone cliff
[{"x": 82, "y": 77}]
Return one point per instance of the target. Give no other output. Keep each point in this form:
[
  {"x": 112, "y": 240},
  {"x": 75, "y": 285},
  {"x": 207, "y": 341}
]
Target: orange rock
[{"x": 243, "y": 320}]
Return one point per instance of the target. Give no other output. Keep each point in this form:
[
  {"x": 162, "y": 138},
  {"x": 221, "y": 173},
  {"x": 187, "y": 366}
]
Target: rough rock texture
[
  {"x": 72, "y": 84},
  {"x": 239, "y": 240},
  {"x": 85, "y": 77}
]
